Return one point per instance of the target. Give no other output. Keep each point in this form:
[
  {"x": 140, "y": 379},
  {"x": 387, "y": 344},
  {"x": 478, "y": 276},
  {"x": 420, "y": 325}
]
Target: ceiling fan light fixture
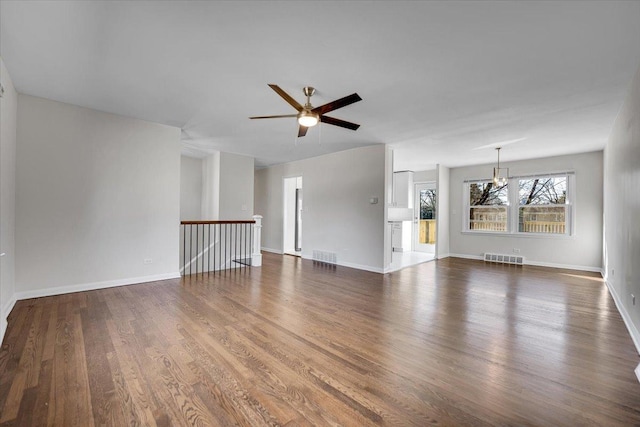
[{"x": 308, "y": 118}]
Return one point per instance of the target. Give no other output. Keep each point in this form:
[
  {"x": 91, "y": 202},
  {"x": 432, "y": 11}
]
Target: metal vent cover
[
  {"x": 324, "y": 256},
  {"x": 504, "y": 258}
]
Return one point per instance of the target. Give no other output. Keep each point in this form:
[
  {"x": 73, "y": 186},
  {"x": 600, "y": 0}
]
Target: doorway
[
  {"x": 424, "y": 224},
  {"x": 292, "y": 216}
]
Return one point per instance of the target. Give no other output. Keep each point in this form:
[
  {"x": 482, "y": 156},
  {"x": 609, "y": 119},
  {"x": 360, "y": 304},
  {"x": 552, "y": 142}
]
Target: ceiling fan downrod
[{"x": 308, "y": 92}]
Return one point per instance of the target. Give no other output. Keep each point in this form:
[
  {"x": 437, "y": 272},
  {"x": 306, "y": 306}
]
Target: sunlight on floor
[
  {"x": 401, "y": 260},
  {"x": 586, "y": 276}
]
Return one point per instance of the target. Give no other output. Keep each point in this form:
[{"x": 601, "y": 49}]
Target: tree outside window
[
  {"x": 542, "y": 205},
  {"x": 428, "y": 204},
  {"x": 488, "y": 206}
]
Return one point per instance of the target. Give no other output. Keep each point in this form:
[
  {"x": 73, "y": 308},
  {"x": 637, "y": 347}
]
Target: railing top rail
[{"x": 250, "y": 221}]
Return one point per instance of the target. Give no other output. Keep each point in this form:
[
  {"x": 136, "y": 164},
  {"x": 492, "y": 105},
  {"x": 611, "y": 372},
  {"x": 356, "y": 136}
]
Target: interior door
[
  {"x": 424, "y": 223},
  {"x": 292, "y": 216},
  {"x": 298, "y": 226}
]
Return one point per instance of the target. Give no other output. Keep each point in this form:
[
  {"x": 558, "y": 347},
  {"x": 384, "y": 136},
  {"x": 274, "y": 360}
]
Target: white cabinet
[
  {"x": 403, "y": 189},
  {"x": 396, "y": 236},
  {"x": 400, "y": 211},
  {"x": 401, "y": 236}
]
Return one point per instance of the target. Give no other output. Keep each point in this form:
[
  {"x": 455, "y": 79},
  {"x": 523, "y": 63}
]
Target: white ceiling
[{"x": 438, "y": 79}]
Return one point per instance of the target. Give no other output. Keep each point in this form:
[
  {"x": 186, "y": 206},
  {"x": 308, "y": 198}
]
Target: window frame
[
  {"x": 568, "y": 211},
  {"x": 468, "y": 207},
  {"x": 513, "y": 207}
]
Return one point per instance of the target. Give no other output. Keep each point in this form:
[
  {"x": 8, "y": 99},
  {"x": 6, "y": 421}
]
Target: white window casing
[{"x": 540, "y": 218}]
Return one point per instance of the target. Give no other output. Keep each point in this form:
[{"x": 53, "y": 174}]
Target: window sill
[{"x": 519, "y": 235}]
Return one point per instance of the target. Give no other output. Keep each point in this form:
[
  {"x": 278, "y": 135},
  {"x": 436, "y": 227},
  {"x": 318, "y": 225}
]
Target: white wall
[
  {"x": 443, "y": 189},
  {"x": 227, "y": 187},
  {"x": 236, "y": 186},
  {"x": 190, "y": 188},
  {"x": 337, "y": 215},
  {"x": 581, "y": 251},
  {"x": 8, "y": 114},
  {"x": 622, "y": 211},
  {"x": 210, "y": 199},
  {"x": 96, "y": 195},
  {"x": 387, "y": 227},
  {"x": 425, "y": 176}
]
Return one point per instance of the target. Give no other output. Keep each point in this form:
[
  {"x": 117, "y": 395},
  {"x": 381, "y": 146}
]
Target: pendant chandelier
[{"x": 500, "y": 175}]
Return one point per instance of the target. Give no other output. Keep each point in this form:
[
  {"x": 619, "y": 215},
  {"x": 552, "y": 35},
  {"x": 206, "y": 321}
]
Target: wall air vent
[
  {"x": 325, "y": 257},
  {"x": 504, "y": 259}
]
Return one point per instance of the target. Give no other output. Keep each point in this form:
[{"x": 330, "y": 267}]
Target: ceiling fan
[{"x": 309, "y": 116}]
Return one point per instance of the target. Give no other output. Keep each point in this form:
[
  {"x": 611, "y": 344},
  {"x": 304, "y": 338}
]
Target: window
[
  {"x": 488, "y": 206},
  {"x": 542, "y": 205},
  {"x": 428, "y": 204},
  {"x": 526, "y": 205}
]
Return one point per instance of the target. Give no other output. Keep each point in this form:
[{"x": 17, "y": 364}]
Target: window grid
[{"x": 534, "y": 205}]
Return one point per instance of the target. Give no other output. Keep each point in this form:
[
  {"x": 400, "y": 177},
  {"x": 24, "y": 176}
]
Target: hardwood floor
[{"x": 450, "y": 342}]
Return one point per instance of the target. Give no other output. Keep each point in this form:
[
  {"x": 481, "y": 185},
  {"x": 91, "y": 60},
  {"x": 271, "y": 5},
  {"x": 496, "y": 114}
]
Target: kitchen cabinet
[
  {"x": 401, "y": 236},
  {"x": 403, "y": 189}
]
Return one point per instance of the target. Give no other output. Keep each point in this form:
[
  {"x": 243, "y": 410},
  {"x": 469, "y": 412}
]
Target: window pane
[
  {"x": 547, "y": 219},
  {"x": 488, "y": 218},
  {"x": 488, "y": 206},
  {"x": 542, "y": 190},
  {"x": 485, "y": 193},
  {"x": 427, "y": 233},
  {"x": 427, "y": 204},
  {"x": 542, "y": 205}
]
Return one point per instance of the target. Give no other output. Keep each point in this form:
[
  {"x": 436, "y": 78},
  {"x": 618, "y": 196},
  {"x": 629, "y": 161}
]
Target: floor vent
[
  {"x": 504, "y": 259},
  {"x": 326, "y": 257}
]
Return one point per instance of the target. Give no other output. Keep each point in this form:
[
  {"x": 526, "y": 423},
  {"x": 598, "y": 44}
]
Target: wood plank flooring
[{"x": 295, "y": 343}]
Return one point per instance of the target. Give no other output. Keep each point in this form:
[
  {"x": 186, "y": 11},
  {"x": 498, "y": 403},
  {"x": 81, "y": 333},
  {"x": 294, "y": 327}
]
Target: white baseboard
[
  {"x": 273, "y": 251},
  {"x": 638, "y": 372},
  {"x": 478, "y": 257},
  {"x": 4, "y": 313},
  {"x": 633, "y": 331},
  {"x": 8, "y": 307},
  {"x": 352, "y": 265},
  {"x": 394, "y": 269},
  {"x": 362, "y": 267},
  {"x": 565, "y": 266},
  {"x": 38, "y": 293},
  {"x": 538, "y": 264},
  {"x": 442, "y": 256}
]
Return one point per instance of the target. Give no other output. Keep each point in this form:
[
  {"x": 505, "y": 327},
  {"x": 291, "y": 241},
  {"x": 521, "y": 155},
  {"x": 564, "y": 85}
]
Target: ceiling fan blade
[
  {"x": 274, "y": 117},
  {"x": 302, "y": 131},
  {"x": 338, "y": 122},
  {"x": 338, "y": 103},
  {"x": 286, "y": 97}
]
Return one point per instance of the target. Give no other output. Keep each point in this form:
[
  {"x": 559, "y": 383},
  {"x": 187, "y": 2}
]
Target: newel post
[{"x": 256, "y": 256}]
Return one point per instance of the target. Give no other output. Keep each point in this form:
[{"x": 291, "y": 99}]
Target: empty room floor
[{"x": 448, "y": 342}]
